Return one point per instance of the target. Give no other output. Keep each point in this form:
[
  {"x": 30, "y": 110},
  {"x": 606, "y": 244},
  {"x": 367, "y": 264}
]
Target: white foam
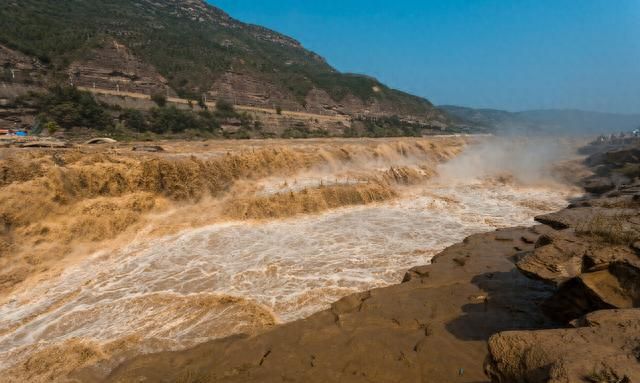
[{"x": 294, "y": 267}]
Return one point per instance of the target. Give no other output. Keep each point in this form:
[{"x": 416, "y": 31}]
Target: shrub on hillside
[
  {"x": 51, "y": 127},
  {"x": 390, "y": 127},
  {"x": 68, "y": 107},
  {"x": 134, "y": 120},
  {"x": 225, "y": 109},
  {"x": 171, "y": 120},
  {"x": 300, "y": 130},
  {"x": 174, "y": 120},
  {"x": 160, "y": 99}
]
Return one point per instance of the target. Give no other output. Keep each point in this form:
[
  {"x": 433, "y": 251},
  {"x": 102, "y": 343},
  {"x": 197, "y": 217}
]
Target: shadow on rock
[{"x": 512, "y": 302}]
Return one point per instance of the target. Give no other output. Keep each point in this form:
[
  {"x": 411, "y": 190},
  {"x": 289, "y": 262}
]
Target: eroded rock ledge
[
  {"x": 603, "y": 347},
  {"x": 552, "y": 303},
  {"x": 592, "y": 258}
]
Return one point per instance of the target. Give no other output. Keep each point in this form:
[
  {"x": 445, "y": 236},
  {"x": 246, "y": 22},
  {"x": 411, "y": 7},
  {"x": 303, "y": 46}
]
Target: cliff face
[
  {"x": 20, "y": 68},
  {"x": 189, "y": 48},
  {"x": 114, "y": 66}
]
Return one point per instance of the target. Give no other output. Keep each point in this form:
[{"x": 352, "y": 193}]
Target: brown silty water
[{"x": 167, "y": 251}]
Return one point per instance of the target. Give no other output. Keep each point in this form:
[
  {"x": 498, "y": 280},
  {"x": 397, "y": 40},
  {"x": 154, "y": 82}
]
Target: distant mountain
[
  {"x": 187, "y": 48},
  {"x": 552, "y": 121},
  {"x": 488, "y": 119},
  {"x": 577, "y": 121}
]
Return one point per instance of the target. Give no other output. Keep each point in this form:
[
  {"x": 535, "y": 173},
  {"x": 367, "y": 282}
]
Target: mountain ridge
[
  {"x": 544, "y": 121},
  {"x": 192, "y": 49}
]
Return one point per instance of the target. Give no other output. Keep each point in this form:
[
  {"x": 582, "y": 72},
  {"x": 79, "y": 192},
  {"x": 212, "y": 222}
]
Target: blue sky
[{"x": 514, "y": 55}]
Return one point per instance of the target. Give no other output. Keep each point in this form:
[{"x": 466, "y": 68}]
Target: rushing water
[{"x": 236, "y": 276}]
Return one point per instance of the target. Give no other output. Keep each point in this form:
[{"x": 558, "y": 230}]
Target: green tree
[
  {"x": 51, "y": 127},
  {"x": 225, "y": 109},
  {"x": 134, "y": 120},
  {"x": 173, "y": 120},
  {"x": 68, "y": 107},
  {"x": 160, "y": 99}
]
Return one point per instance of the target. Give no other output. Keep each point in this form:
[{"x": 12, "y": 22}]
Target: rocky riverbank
[
  {"x": 551, "y": 303},
  {"x": 591, "y": 259}
]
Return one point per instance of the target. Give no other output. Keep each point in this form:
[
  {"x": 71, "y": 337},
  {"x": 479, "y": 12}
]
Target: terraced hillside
[{"x": 186, "y": 48}]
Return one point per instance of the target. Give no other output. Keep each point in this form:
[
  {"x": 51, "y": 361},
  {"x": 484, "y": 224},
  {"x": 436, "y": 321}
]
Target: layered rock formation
[
  {"x": 20, "y": 68},
  {"x": 113, "y": 66},
  {"x": 602, "y": 348},
  {"x": 19, "y": 73}
]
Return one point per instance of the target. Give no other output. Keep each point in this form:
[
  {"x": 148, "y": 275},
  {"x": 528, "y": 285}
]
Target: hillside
[
  {"x": 551, "y": 121},
  {"x": 186, "y": 48}
]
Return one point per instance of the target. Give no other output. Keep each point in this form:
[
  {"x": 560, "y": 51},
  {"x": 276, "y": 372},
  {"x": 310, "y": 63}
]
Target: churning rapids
[{"x": 242, "y": 276}]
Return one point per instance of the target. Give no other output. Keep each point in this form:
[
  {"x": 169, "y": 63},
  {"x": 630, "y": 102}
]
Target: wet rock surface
[
  {"x": 603, "y": 347},
  {"x": 557, "y": 302},
  {"x": 592, "y": 257},
  {"x": 414, "y": 331}
]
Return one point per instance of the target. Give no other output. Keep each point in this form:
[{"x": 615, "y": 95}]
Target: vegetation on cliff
[
  {"x": 189, "y": 42},
  {"x": 68, "y": 108}
]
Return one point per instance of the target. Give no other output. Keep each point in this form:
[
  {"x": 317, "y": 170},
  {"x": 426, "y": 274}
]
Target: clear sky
[{"x": 514, "y": 55}]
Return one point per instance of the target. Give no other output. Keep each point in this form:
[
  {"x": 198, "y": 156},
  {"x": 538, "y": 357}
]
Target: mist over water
[
  {"x": 243, "y": 276},
  {"x": 525, "y": 160}
]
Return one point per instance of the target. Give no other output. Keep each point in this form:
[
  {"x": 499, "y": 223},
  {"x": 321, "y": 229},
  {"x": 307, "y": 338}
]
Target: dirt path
[{"x": 176, "y": 100}]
